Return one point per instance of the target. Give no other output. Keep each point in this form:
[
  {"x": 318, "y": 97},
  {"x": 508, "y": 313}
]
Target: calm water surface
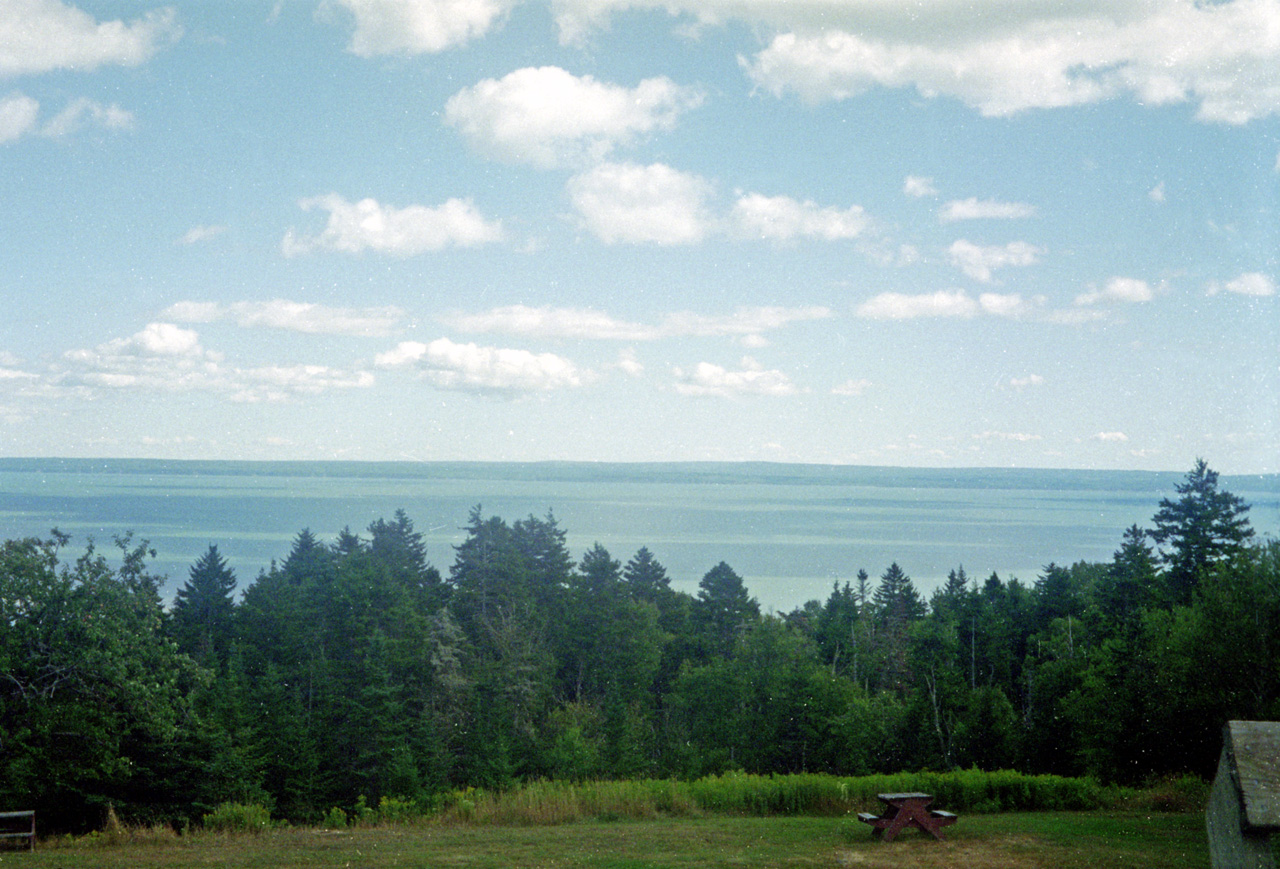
[{"x": 789, "y": 530}]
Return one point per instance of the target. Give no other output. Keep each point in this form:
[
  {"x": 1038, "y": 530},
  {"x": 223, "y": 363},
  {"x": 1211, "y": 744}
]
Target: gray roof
[{"x": 1254, "y": 749}]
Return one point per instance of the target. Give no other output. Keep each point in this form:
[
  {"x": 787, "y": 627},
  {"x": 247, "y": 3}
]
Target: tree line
[{"x": 357, "y": 669}]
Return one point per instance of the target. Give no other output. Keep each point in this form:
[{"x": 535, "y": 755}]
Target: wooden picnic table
[{"x": 907, "y": 810}]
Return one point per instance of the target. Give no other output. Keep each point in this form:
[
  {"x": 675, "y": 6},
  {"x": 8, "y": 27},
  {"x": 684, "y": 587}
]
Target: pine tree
[
  {"x": 723, "y": 609},
  {"x": 203, "y": 609},
  {"x": 1203, "y": 528}
]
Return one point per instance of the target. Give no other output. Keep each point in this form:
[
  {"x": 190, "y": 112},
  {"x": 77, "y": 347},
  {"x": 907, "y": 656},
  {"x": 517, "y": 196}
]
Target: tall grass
[{"x": 555, "y": 802}]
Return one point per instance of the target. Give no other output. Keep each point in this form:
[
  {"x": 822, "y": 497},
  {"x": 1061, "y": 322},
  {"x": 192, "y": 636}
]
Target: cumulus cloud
[
  {"x": 164, "y": 357},
  {"x": 1017, "y": 437},
  {"x": 420, "y": 26},
  {"x": 851, "y": 387},
  {"x": 293, "y": 316},
  {"x": 1030, "y": 380},
  {"x": 551, "y": 322},
  {"x": 472, "y": 368},
  {"x": 1221, "y": 55},
  {"x": 742, "y": 322},
  {"x": 197, "y": 234},
  {"x": 1118, "y": 290},
  {"x": 1118, "y": 437},
  {"x": 781, "y": 218},
  {"x": 549, "y": 117},
  {"x": 155, "y": 340},
  {"x": 901, "y": 306},
  {"x": 82, "y": 112},
  {"x": 629, "y": 364},
  {"x": 655, "y": 204},
  {"x": 916, "y": 186},
  {"x": 278, "y": 383},
  {"x": 354, "y": 227},
  {"x": 943, "y": 303},
  {"x": 985, "y": 209},
  {"x": 978, "y": 261},
  {"x": 18, "y": 114},
  {"x": 1248, "y": 284},
  {"x": 751, "y": 379},
  {"x": 42, "y": 35}
]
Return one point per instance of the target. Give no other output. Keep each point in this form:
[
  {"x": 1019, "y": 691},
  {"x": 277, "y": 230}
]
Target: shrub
[
  {"x": 335, "y": 819},
  {"x": 238, "y": 818},
  {"x": 394, "y": 810}
]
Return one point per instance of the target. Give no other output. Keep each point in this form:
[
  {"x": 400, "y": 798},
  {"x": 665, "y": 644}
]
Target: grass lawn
[{"x": 1061, "y": 840}]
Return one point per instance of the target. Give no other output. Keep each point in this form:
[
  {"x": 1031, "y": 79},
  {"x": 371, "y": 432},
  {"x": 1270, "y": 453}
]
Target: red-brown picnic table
[{"x": 907, "y": 810}]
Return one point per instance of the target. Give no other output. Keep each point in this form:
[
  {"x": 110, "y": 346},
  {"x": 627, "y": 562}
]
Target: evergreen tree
[
  {"x": 723, "y": 609},
  {"x": 1203, "y": 528},
  {"x": 897, "y": 605},
  {"x": 646, "y": 577},
  {"x": 203, "y": 609}
]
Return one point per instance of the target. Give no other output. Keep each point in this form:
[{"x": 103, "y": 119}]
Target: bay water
[{"x": 790, "y": 531}]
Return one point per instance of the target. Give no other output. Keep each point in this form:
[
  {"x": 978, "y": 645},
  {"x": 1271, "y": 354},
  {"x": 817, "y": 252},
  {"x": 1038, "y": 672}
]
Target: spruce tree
[
  {"x": 1203, "y": 528},
  {"x": 203, "y": 608}
]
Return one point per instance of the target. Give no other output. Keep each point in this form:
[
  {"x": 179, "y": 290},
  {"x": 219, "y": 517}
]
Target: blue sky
[{"x": 845, "y": 231}]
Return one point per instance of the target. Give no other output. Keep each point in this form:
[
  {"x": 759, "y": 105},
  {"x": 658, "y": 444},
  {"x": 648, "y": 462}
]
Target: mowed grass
[{"x": 1061, "y": 840}]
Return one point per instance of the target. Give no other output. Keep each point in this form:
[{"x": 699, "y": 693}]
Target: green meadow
[
  {"x": 1063, "y": 840},
  {"x": 1007, "y": 819}
]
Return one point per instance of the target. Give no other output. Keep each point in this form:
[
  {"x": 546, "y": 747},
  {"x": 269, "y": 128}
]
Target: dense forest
[{"x": 358, "y": 669}]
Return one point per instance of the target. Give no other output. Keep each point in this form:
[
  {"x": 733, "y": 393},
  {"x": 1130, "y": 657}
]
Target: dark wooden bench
[{"x": 19, "y": 825}]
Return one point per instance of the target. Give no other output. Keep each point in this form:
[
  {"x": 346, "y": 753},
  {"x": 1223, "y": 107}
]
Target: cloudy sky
[{"x": 945, "y": 233}]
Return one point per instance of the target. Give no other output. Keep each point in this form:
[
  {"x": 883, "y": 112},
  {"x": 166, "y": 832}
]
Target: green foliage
[
  {"x": 355, "y": 675},
  {"x": 238, "y": 818}
]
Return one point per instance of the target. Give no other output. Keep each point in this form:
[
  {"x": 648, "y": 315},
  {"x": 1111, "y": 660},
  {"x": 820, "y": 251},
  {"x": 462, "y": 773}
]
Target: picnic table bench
[
  {"x": 19, "y": 825},
  {"x": 907, "y": 810}
]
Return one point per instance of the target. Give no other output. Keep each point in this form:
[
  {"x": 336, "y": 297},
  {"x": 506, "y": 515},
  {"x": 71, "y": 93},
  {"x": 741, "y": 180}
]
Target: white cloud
[
  {"x": 624, "y": 202},
  {"x": 471, "y": 368},
  {"x": 18, "y": 113},
  {"x": 201, "y": 233},
  {"x": 1017, "y": 437},
  {"x": 751, "y": 379},
  {"x": 742, "y": 322},
  {"x": 156, "y": 339},
  {"x": 900, "y": 306},
  {"x": 629, "y": 364},
  {"x": 1004, "y": 305},
  {"x": 1030, "y": 380},
  {"x": 83, "y": 111},
  {"x": 164, "y": 357},
  {"x": 420, "y": 26},
  {"x": 781, "y": 218},
  {"x": 915, "y": 186},
  {"x": 1111, "y": 437},
  {"x": 41, "y": 35},
  {"x": 978, "y": 261},
  {"x": 1156, "y": 194},
  {"x": 1118, "y": 290},
  {"x": 293, "y": 316},
  {"x": 548, "y": 117},
  {"x": 985, "y": 209},
  {"x": 1223, "y": 55},
  {"x": 851, "y": 387},
  {"x": 550, "y": 322},
  {"x": 277, "y": 383},
  {"x": 354, "y": 227},
  {"x": 1248, "y": 284}
]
